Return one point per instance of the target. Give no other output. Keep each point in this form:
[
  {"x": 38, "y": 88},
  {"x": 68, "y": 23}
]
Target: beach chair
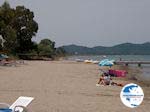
[
  {"x": 7, "y": 63},
  {"x": 18, "y": 106}
]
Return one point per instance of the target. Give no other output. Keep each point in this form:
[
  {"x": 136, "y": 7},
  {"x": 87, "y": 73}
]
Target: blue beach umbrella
[
  {"x": 2, "y": 56},
  {"x": 106, "y": 62}
]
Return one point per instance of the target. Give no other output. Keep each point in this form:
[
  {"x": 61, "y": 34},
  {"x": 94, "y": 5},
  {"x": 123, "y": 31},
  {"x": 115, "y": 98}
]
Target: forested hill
[{"x": 121, "y": 49}]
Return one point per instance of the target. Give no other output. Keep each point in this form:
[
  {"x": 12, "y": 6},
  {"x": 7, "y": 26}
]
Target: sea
[{"x": 141, "y": 73}]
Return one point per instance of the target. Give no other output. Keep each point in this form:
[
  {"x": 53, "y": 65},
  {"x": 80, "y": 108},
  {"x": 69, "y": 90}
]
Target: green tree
[
  {"x": 17, "y": 27},
  {"x": 6, "y": 30},
  {"x": 26, "y": 28},
  {"x": 46, "y": 47}
]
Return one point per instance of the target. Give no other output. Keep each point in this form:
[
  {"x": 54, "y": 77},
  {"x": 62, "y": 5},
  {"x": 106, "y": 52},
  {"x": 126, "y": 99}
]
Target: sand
[{"x": 61, "y": 86}]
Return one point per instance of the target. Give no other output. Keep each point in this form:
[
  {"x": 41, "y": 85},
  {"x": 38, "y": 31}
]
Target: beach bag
[
  {"x": 117, "y": 73},
  {"x": 112, "y": 73},
  {"x": 121, "y": 73}
]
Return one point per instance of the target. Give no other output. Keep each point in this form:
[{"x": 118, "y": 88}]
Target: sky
[{"x": 90, "y": 22}]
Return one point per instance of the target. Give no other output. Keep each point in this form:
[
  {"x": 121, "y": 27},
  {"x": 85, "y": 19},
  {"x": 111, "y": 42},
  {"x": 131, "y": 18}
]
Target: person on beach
[
  {"x": 101, "y": 80},
  {"x": 105, "y": 79}
]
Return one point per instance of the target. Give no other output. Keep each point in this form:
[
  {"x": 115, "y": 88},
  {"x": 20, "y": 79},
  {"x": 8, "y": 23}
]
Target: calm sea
[
  {"x": 142, "y": 73},
  {"x": 114, "y": 57}
]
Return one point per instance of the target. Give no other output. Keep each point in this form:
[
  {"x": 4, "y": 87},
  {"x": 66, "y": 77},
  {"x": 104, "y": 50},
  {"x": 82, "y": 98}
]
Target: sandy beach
[{"x": 63, "y": 86}]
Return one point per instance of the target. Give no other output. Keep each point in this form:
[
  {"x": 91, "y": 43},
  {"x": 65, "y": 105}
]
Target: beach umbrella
[
  {"x": 106, "y": 62},
  {"x": 2, "y": 56},
  {"x": 5, "y": 56}
]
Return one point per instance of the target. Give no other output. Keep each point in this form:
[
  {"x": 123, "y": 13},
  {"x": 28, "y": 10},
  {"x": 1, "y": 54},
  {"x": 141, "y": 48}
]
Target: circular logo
[{"x": 132, "y": 95}]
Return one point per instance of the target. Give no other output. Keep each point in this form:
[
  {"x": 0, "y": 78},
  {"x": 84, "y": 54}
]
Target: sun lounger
[
  {"x": 19, "y": 105},
  {"x": 7, "y": 63}
]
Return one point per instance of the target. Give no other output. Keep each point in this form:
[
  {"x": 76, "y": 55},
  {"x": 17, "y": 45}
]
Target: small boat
[
  {"x": 104, "y": 56},
  {"x": 95, "y": 62},
  {"x": 79, "y": 60},
  {"x": 88, "y": 61}
]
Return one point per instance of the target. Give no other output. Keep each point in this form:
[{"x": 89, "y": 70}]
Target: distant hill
[{"x": 121, "y": 49}]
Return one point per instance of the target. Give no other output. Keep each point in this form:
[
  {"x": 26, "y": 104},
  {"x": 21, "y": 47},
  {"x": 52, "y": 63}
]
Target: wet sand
[{"x": 61, "y": 86}]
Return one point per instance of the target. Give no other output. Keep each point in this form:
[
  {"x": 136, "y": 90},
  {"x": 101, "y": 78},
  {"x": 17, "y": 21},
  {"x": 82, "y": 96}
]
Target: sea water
[
  {"x": 113, "y": 57},
  {"x": 142, "y": 73}
]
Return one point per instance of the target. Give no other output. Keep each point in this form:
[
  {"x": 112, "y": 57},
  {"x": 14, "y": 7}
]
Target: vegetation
[
  {"x": 17, "y": 28},
  {"x": 121, "y": 49},
  {"x": 46, "y": 47}
]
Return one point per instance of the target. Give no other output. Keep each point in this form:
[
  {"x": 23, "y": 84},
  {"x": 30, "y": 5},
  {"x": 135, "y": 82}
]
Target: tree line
[{"x": 17, "y": 28}]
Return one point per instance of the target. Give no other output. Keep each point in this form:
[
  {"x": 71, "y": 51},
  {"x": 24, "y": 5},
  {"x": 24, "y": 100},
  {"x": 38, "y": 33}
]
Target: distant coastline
[{"x": 121, "y": 49}]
